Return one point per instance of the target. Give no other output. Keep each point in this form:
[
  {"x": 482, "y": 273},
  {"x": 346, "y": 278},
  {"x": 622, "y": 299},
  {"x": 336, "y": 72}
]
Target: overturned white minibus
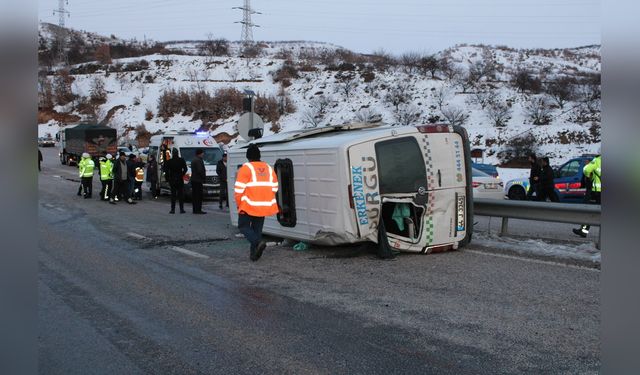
[{"x": 408, "y": 186}]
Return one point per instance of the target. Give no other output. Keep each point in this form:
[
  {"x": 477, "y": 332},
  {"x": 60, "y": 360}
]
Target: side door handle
[{"x": 439, "y": 179}]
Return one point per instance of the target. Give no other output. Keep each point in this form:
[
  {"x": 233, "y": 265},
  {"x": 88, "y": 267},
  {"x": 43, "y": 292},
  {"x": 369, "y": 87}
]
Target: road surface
[{"x": 131, "y": 289}]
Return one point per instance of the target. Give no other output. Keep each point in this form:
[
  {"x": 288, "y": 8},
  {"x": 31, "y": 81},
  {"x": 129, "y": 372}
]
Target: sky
[{"x": 365, "y": 26}]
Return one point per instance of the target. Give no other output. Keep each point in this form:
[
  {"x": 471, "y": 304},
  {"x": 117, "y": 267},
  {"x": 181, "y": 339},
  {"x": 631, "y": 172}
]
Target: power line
[
  {"x": 61, "y": 11},
  {"x": 247, "y": 25}
]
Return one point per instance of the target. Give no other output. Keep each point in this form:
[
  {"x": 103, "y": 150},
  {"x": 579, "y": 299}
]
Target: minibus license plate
[{"x": 460, "y": 213}]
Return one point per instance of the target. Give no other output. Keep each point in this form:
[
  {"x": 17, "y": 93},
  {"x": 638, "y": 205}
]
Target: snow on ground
[
  {"x": 188, "y": 72},
  {"x": 583, "y": 252}
]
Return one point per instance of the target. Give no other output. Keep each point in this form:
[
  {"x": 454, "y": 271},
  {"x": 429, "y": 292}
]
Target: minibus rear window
[{"x": 401, "y": 166}]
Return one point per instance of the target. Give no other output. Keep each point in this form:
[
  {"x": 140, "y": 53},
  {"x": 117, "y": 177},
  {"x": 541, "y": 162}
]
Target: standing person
[
  {"x": 255, "y": 194},
  {"x": 106, "y": 177},
  {"x": 176, "y": 168},
  {"x": 152, "y": 176},
  {"x": 86, "y": 167},
  {"x": 198, "y": 176},
  {"x": 121, "y": 180},
  {"x": 546, "y": 187},
  {"x": 138, "y": 178},
  {"x": 131, "y": 169},
  {"x": 593, "y": 171},
  {"x": 221, "y": 170},
  {"x": 39, "y": 160},
  {"x": 534, "y": 177}
]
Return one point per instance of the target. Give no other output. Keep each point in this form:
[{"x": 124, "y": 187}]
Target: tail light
[
  {"x": 475, "y": 184},
  {"x": 186, "y": 177},
  {"x": 434, "y": 128},
  {"x": 575, "y": 185},
  {"x": 561, "y": 186}
]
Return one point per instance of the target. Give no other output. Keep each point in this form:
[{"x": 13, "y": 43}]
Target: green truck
[{"x": 96, "y": 140}]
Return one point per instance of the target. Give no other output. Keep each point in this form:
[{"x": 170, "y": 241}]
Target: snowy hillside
[{"x": 323, "y": 84}]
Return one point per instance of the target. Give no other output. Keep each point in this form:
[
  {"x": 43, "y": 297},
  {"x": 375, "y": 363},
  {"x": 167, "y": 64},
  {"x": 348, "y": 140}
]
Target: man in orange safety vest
[{"x": 255, "y": 193}]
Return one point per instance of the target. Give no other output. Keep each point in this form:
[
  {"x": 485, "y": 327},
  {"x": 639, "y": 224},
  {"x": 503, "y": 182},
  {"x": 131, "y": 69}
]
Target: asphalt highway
[{"x": 130, "y": 289}]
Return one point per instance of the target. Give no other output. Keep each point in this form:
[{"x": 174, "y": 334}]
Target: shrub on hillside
[
  {"x": 525, "y": 81},
  {"x": 518, "y": 148},
  {"x": 561, "y": 90},
  {"x": 287, "y": 72},
  {"x": 214, "y": 47},
  {"x": 103, "y": 54},
  {"x": 538, "y": 110}
]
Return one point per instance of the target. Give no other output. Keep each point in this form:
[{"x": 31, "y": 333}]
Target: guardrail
[{"x": 569, "y": 213}]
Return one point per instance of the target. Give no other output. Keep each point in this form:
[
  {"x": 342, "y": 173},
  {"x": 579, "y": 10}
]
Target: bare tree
[
  {"x": 442, "y": 95},
  {"x": 382, "y": 60},
  {"x": 98, "y": 93},
  {"x": 233, "y": 74},
  {"x": 320, "y": 103},
  {"x": 123, "y": 80},
  {"x": 482, "y": 96},
  {"x": 347, "y": 86},
  {"x": 498, "y": 111},
  {"x": 62, "y": 87},
  {"x": 45, "y": 92},
  {"x": 561, "y": 90},
  {"x": 431, "y": 64},
  {"x": 312, "y": 118},
  {"x": 398, "y": 94},
  {"x": 214, "y": 46},
  {"x": 538, "y": 110},
  {"x": 454, "y": 115},
  {"x": 465, "y": 80},
  {"x": 410, "y": 62},
  {"x": 407, "y": 114},
  {"x": 367, "y": 115},
  {"x": 524, "y": 80}
]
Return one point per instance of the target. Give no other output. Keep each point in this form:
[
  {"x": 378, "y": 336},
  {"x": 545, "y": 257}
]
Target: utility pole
[
  {"x": 247, "y": 25},
  {"x": 62, "y": 55}
]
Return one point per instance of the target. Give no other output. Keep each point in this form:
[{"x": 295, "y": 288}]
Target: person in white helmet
[
  {"x": 85, "y": 171},
  {"x": 106, "y": 177}
]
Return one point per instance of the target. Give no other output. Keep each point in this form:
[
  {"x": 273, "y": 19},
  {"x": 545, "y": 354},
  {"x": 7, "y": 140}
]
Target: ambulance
[
  {"x": 407, "y": 188},
  {"x": 162, "y": 146}
]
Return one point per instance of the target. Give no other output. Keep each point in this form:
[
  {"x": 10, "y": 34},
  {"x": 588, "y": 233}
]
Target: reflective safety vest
[
  {"x": 593, "y": 170},
  {"x": 106, "y": 170},
  {"x": 85, "y": 167},
  {"x": 255, "y": 189},
  {"x": 139, "y": 174}
]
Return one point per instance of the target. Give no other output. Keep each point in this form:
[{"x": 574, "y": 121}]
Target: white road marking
[
  {"x": 59, "y": 209},
  {"x": 188, "y": 252},
  {"x": 538, "y": 261},
  {"x": 136, "y": 235}
]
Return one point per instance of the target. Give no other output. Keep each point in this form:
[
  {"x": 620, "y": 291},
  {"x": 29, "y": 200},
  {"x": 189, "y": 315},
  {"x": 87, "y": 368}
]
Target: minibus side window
[
  {"x": 286, "y": 195},
  {"x": 401, "y": 166}
]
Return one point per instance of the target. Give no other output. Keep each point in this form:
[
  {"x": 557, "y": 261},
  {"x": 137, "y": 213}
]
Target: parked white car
[{"x": 485, "y": 186}]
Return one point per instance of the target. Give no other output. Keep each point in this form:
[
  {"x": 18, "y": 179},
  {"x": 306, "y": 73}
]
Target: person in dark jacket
[
  {"x": 121, "y": 180},
  {"x": 175, "y": 169},
  {"x": 131, "y": 170},
  {"x": 152, "y": 176},
  {"x": 198, "y": 175},
  {"x": 546, "y": 182},
  {"x": 534, "y": 177},
  {"x": 221, "y": 170}
]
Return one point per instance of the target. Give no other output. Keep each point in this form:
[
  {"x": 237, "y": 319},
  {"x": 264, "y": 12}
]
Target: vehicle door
[
  {"x": 568, "y": 181},
  {"x": 402, "y": 183}
]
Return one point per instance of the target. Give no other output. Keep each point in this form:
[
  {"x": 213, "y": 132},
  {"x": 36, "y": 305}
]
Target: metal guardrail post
[{"x": 504, "y": 229}]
